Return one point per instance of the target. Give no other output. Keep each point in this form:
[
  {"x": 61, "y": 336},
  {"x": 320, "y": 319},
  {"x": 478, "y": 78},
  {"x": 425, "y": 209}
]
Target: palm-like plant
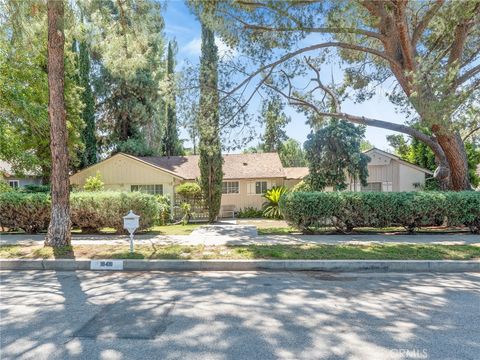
[{"x": 270, "y": 207}]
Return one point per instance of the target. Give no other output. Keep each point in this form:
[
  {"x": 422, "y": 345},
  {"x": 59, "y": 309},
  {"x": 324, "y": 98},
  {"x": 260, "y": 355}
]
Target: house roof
[
  {"x": 235, "y": 166},
  {"x": 399, "y": 159},
  {"x": 295, "y": 173}
]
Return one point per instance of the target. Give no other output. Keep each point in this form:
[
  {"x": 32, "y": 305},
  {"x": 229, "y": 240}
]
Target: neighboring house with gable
[
  {"x": 246, "y": 176},
  {"x": 15, "y": 180}
]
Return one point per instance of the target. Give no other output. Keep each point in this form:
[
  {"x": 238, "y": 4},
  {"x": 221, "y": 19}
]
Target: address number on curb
[{"x": 106, "y": 265}]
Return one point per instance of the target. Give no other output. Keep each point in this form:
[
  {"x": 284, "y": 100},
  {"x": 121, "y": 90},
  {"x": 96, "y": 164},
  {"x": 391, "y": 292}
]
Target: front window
[
  {"x": 230, "y": 187},
  {"x": 373, "y": 186},
  {"x": 14, "y": 183},
  {"x": 148, "y": 189},
  {"x": 260, "y": 187}
]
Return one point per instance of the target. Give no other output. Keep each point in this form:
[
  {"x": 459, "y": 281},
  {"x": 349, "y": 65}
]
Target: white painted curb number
[{"x": 106, "y": 265}]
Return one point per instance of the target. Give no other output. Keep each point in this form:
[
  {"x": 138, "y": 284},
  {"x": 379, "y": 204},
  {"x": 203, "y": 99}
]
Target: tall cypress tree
[
  {"x": 170, "y": 143},
  {"x": 89, "y": 155},
  {"x": 211, "y": 174}
]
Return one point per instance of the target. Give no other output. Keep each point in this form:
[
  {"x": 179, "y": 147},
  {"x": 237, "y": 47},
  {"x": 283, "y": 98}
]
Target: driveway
[{"x": 239, "y": 315}]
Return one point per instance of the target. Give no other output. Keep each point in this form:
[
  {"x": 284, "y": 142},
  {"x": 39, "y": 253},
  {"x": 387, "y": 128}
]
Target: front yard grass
[{"x": 278, "y": 252}]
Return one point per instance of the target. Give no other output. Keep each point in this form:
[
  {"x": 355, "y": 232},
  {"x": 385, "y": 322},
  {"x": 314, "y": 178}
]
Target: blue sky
[{"x": 182, "y": 26}]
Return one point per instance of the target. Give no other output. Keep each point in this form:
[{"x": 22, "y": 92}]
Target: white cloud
[{"x": 194, "y": 46}]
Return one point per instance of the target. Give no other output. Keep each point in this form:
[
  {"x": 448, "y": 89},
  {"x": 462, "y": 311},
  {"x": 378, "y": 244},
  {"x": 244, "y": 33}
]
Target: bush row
[
  {"x": 90, "y": 211},
  {"x": 347, "y": 210}
]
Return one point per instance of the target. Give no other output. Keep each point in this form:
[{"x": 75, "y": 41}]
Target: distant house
[
  {"x": 15, "y": 180},
  {"x": 246, "y": 176},
  {"x": 388, "y": 172}
]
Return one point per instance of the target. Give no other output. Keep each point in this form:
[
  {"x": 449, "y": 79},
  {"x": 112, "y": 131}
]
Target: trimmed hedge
[
  {"x": 347, "y": 210},
  {"x": 27, "y": 211},
  {"x": 90, "y": 211}
]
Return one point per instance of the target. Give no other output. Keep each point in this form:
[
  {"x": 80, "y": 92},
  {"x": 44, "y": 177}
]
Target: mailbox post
[{"x": 130, "y": 223}]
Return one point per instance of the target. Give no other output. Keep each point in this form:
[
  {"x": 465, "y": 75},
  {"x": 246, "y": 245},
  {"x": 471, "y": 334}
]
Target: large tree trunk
[
  {"x": 59, "y": 228},
  {"x": 454, "y": 149}
]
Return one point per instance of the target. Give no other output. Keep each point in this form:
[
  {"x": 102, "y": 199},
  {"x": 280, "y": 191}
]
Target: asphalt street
[{"x": 238, "y": 315}]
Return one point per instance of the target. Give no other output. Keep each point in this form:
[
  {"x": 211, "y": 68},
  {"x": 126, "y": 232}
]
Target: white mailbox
[{"x": 130, "y": 223}]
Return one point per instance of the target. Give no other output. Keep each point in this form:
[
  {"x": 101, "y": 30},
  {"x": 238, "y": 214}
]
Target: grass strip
[{"x": 279, "y": 252}]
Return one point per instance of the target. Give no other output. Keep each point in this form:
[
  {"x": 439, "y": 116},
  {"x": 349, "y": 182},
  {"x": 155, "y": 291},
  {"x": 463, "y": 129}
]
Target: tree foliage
[
  {"x": 24, "y": 125},
  {"x": 333, "y": 153},
  {"x": 171, "y": 144},
  {"x": 274, "y": 120},
  {"x": 211, "y": 160},
  {"x": 127, "y": 43},
  {"x": 429, "y": 49},
  {"x": 89, "y": 154},
  {"x": 291, "y": 154}
]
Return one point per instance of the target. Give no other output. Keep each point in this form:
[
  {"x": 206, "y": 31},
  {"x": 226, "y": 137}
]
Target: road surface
[{"x": 239, "y": 315}]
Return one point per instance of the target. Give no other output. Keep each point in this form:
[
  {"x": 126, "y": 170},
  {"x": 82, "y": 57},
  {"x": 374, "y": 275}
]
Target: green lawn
[{"x": 281, "y": 252}]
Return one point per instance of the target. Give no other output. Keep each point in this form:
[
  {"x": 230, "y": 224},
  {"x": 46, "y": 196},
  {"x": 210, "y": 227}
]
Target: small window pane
[
  {"x": 148, "y": 189},
  {"x": 230, "y": 187},
  {"x": 260, "y": 187},
  {"x": 14, "y": 183}
]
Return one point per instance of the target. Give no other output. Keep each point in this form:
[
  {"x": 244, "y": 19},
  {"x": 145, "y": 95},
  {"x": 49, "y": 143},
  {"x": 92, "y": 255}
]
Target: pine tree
[
  {"x": 211, "y": 174},
  {"x": 170, "y": 144},
  {"x": 59, "y": 228},
  {"x": 89, "y": 155}
]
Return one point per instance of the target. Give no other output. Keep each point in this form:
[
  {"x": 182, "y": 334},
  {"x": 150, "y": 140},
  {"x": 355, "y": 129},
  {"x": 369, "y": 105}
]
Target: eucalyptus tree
[{"x": 429, "y": 49}]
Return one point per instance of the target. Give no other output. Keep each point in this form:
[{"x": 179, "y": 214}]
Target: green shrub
[
  {"x": 189, "y": 190},
  {"x": 27, "y": 212},
  {"x": 90, "y": 211},
  {"x": 187, "y": 213},
  {"x": 4, "y": 187},
  {"x": 164, "y": 204},
  {"x": 270, "y": 207},
  {"x": 249, "y": 213},
  {"x": 347, "y": 210},
  {"x": 302, "y": 186},
  {"x": 35, "y": 188},
  {"x": 94, "y": 183}
]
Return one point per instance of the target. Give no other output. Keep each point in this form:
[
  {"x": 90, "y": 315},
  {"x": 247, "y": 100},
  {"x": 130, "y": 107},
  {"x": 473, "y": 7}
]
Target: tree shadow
[{"x": 244, "y": 315}]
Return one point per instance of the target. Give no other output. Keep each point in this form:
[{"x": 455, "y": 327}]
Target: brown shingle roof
[
  {"x": 295, "y": 172},
  {"x": 235, "y": 166}
]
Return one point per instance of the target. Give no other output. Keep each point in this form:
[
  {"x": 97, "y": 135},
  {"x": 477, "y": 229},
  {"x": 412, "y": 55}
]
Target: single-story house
[
  {"x": 246, "y": 176},
  {"x": 15, "y": 180}
]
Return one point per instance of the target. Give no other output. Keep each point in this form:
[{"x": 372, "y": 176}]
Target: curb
[{"x": 445, "y": 266}]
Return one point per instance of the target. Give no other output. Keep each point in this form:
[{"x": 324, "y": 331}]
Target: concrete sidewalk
[{"x": 198, "y": 238}]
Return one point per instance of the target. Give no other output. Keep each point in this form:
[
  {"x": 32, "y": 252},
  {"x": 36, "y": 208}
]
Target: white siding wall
[
  {"x": 246, "y": 196},
  {"x": 409, "y": 177},
  {"x": 120, "y": 172}
]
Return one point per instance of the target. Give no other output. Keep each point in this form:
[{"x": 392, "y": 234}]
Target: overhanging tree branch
[{"x": 316, "y": 47}]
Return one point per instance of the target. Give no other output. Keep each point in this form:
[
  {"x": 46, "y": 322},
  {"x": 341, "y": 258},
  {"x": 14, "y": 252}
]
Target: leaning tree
[{"x": 430, "y": 49}]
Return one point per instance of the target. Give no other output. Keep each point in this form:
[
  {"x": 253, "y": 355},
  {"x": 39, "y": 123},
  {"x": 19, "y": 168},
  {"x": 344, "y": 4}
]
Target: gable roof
[
  {"x": 235, "y": 166},
  {"x": 399, "y": 159},
  {"x": 295, "y": 173}
]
